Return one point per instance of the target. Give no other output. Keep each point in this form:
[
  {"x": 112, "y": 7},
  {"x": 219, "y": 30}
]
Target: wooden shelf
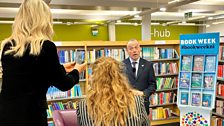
[
  {"x": 82, "y": 80},
  {"x": 165, "y": 90},
  {"x": 161, "y": 105},
  {"x": 221, "y": 61},
  {"x": 220, "y": 79},
  {"x": 165, "y": 75},
  {"x": 214, "y": 113},
  {"x": 160, "y": 60},
  {"x": 220, "y": 97},
  {"x": 67, "y": 99},
  {"x": 160, "y": 122}
]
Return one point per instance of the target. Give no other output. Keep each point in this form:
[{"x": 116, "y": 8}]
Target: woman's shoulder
[{"x": 48, "y": 43}]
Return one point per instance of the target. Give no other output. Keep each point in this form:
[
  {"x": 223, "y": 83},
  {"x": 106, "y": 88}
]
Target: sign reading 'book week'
[
  {"x": 199, "y": 43},
  {"x": 197, "y": 78}
]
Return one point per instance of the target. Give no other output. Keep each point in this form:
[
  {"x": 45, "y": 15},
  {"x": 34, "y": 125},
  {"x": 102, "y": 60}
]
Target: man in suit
[{"x": 140, "y": 72}]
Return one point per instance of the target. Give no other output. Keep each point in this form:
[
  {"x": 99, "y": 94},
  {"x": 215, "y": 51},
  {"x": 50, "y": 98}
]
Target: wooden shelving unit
[{"x": 90, "y": 45}]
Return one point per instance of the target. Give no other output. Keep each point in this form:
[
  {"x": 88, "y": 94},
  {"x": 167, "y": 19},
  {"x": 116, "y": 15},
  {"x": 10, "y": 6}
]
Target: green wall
[
  {"x": 5, "y": 31},
  {"x": 66, "y": 32},
  {"x": 171, "y": 32},
  {"x": 123, "y": 32},
  {"x": 127, "y": 32},
  {"x": 78, "y": 33}
]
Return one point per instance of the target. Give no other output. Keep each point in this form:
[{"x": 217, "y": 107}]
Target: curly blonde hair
[
  {"x": 110, "y": 99},
  {"x": 33, "y": 24}
]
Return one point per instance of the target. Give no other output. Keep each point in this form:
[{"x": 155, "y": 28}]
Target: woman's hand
[
  {"x": 69, "y": 66},
  {"x": 80, "y": 67},
  {"x": 73, "y": 65}
]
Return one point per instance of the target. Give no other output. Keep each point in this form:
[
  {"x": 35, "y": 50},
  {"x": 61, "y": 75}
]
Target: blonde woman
[
  {"x": 110, "y": 100},
  {"x": 30, "y": 65}
]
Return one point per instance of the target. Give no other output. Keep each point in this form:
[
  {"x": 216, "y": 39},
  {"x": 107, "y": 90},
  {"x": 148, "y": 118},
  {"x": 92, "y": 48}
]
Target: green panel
[
  {"x": 171, "y": 32},
  {"x": 66, "y": 32},
  {"x": 78, "y": 33},
  {"x": 127, "y": 32},
  {"x": 5, "y": 31}
]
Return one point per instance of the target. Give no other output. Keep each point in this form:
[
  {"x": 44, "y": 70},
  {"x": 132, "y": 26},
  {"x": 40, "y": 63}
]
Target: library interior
[{"x": 182, "y": 39}]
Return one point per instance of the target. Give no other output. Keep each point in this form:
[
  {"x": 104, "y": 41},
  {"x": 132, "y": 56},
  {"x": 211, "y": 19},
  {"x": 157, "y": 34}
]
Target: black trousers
[
  {"x": 22, "y": 114},
  {"x": 146, "y": 102}
]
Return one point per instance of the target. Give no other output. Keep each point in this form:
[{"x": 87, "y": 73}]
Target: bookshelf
[
  {"x": 95, "y": 49},
  {"x": 217, "y": 114}
]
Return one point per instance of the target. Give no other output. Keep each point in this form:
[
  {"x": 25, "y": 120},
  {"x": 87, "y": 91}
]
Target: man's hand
[{"x": 69, "y": 66}]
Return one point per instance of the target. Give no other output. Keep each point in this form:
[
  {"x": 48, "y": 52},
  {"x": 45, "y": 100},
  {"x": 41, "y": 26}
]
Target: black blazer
[
  {"x": 145, "y": 80},
  {"x": 25, "y": 83}
]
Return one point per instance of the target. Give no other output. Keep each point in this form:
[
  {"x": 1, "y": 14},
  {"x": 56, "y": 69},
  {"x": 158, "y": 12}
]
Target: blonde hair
[
  {"x": 32, "y": 26},
  {"x": 110, "y": 99}
]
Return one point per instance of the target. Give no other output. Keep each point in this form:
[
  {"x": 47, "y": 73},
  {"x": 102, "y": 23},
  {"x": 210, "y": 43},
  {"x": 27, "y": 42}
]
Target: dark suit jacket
[{"x": 145, "y": 80}]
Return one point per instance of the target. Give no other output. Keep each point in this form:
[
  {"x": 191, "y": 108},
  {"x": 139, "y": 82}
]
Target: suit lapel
[{"x": 141, "y": 67}]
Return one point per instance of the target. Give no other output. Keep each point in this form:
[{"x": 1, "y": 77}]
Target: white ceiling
[{"x": 107, "y": 10}]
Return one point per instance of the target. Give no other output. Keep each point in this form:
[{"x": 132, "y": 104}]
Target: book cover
[
  {"x": 195, "y": 99},
  {"x": 184, "y": 98},
  {"x": 210, "y": 63},
  {"x": 198, "y": 63},
  {"x": 186, "y": 63},
  {"x": 196, "y": 80},
  {"x": 206, "y": 100},
  {"x": 209, "y": 80},
  {"x": 184, "y": 79}
]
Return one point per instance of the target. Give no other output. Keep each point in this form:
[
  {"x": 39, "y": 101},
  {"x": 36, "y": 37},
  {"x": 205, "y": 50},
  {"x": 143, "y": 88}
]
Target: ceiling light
[
  {"x": 210, "y": 18},
  {"x": 162, "y": 9},
  {"x": 186, "y": 23},
  {"x": 136, "y": 16},
  {"x": 219, "y": 22},
  {"x": 207, "y": 26},
  {"x": 57, "y": 22},
  {"x": 118, "y": 21},
  {"x": 69, "y": 23},
  {"x": 6, "y": 22},
  {"x": 123, "y": 23},
  {"x": 135, "y": 24},
  {"x": 155, "y": 23},
  {"x": 173, "y": 1}
]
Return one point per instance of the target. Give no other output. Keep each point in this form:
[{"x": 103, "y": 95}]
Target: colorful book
[
  {"x": 184, "y": 79},
  {"x": 184, "y": 98},
  {"x": 210, "y": 64},
  {"x": 206, "y": 100},
  {"x": 209, "y": 80},
  {"x": 198, "y": 63},
  {"x": 196, "y": 80},
  {"x": 186, "y": 63},
  {"x": 195, "y": 99}
]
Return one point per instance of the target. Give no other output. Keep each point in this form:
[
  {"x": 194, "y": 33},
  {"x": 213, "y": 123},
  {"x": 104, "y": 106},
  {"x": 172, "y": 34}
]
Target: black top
[{"x": 26, "y": 79}]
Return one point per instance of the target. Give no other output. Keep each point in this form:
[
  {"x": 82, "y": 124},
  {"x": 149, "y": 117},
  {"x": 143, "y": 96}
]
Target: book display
[{"x": 197, "y": 81}]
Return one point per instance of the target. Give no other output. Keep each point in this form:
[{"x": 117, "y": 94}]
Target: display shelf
[
  {"x": 220, "y": 79},
  {"x": 165, "y": 90},
  {"x": 67, "y": 99},
  {"x": 162, "y": 105},
  {"x": 166, "y": 75},
  {"x": 220, "y": 97},
  {"x": 160, "y": 122},
  {"x": 162, "y": 60},
  {"x": 214, "y": 113}
]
